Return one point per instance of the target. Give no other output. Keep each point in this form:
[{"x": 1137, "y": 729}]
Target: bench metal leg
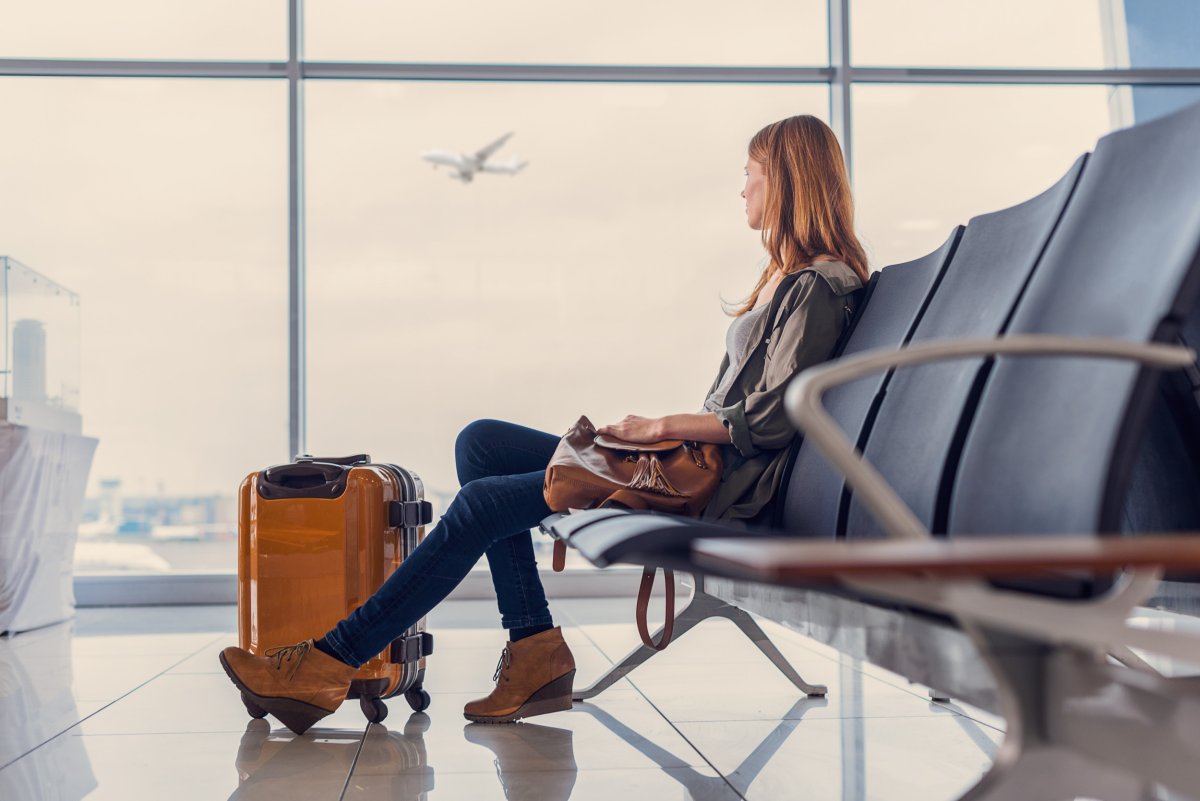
[
  {"x": 751, "y": 629},
  {"x": 703, "y": 606},
  {"x": 1080, "y": 727},
  {"x": 1126, "y": 656}
]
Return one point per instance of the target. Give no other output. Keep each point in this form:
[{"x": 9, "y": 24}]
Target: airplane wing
[
  {"x": 486, "y": 153},
  {"x": 439, "y": 157}
]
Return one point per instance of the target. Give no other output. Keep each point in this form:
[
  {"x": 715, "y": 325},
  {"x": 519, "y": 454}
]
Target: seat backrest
[
  {"x": 1164, "y": 486},
  {"x": 917, "y": 424},
  {"x": 812, "y": 491},
  {"x": 1054, "y": 441}
]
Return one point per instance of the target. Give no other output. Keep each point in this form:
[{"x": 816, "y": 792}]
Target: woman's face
[{"x": 753, "y": 192}]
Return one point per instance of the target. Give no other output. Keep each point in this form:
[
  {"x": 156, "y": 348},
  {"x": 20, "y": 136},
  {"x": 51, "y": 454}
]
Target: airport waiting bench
[{"x": 1002, "y": 464}]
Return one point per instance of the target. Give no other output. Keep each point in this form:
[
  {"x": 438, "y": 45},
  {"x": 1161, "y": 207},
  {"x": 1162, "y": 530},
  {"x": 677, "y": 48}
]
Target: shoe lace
[
  {"x": 505, "y": 661},
  {"x": 292, "y": 654}
]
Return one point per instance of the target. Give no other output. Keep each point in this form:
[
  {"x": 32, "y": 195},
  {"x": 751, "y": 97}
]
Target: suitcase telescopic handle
[{"x": 358, "y": 458}]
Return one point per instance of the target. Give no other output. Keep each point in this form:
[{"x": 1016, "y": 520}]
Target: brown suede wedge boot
[
  {"x": 297, "y": 683},
  {"x": 534, "y": 676}
]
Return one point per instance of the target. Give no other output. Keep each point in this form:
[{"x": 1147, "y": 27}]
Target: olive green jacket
[{"x": 813, "y": 310}]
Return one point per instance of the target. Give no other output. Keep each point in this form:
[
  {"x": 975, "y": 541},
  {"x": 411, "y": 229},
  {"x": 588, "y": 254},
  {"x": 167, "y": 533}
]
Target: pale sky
[{"x": 588, "y": 284}]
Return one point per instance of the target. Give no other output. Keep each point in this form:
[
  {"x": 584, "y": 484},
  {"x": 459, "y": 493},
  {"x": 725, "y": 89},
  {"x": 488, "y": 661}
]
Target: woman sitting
[{"x": 797, "y": 194}]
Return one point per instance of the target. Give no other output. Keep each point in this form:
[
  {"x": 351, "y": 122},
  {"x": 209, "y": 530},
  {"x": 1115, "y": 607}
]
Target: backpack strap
[{"x": 643, "y": 606}]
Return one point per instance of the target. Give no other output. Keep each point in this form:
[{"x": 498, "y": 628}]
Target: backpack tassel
[{"x": 649, "y": 476}]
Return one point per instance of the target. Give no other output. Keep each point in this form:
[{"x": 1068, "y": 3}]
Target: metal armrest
[{"x": 803, "y": 401}]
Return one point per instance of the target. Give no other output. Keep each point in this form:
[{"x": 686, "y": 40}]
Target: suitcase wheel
[
  {"x": 254, "y": 709},
  {"x": 418, "y": 699},
  {"x": 374, "y": 709}
]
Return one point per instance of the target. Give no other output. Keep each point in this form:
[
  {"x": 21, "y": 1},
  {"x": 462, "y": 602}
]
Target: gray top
[{"x": 738, "y": 345}]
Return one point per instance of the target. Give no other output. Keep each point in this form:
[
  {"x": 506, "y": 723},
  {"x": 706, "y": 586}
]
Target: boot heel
[
  {"x": 296, "y": 715},
  {"x": 554, "y": 697}
]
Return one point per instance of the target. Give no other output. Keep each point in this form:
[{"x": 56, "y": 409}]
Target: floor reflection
[
  {"x": 163, "y": 723},
  {"x": 973, "y": 729},
  {"x": 533, "y": 762},
  {"x": 36, "y": 704},
  {"x": 699, "y": 786},
  {"x": 274, "y": 765}
]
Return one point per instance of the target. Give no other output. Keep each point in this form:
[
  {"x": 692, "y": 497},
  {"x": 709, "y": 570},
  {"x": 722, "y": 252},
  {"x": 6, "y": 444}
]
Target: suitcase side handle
[
  {"x": 303, "y": 480},
  {"x": 410, "y": 647},
  {"x": 409, "y": 514}
]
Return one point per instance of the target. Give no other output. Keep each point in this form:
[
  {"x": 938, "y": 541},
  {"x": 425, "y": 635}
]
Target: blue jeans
[{"x": 501, "y": 467}]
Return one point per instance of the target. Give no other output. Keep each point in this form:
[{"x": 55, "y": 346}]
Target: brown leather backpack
[{"x": 590, "y": 470}]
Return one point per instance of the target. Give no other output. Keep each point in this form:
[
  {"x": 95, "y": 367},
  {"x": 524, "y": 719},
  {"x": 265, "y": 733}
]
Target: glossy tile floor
[{"x": 132, "y": 704}]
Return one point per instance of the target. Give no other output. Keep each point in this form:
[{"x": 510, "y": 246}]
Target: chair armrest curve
[{"x": 803, "y": 401}]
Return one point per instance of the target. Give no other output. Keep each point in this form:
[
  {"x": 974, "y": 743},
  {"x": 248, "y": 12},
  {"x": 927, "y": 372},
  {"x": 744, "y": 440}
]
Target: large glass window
[
  {"x": 929, "y": 157},
  {"x": 979, "y": 33},
  {"x": 1026, "y": 34},
  {"x": 677, "y": 32},
  {"x": 163, "y": 205},
  {"x": 129, "y": 29},
  {"x": 589, "y": 283}
]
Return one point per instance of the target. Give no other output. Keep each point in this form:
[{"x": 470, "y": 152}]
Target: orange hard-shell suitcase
[{"x": 315, "y": 539}]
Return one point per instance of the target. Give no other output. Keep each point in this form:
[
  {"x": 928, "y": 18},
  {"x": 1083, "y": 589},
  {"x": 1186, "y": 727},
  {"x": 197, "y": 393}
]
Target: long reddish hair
[{"x": 807, "y": 207}]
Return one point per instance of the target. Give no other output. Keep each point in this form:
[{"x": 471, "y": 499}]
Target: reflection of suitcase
[
  {"x": 270, "y": 767},
  {"x": 315, "y": 539}
]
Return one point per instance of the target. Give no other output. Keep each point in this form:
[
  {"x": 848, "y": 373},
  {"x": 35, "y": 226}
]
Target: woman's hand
[
  {"x": 635, "y": 429},
  {"x": 702, "y": 427}
]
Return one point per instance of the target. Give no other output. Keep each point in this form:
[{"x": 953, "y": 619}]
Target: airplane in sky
[{"x": 465, "y": 165}]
